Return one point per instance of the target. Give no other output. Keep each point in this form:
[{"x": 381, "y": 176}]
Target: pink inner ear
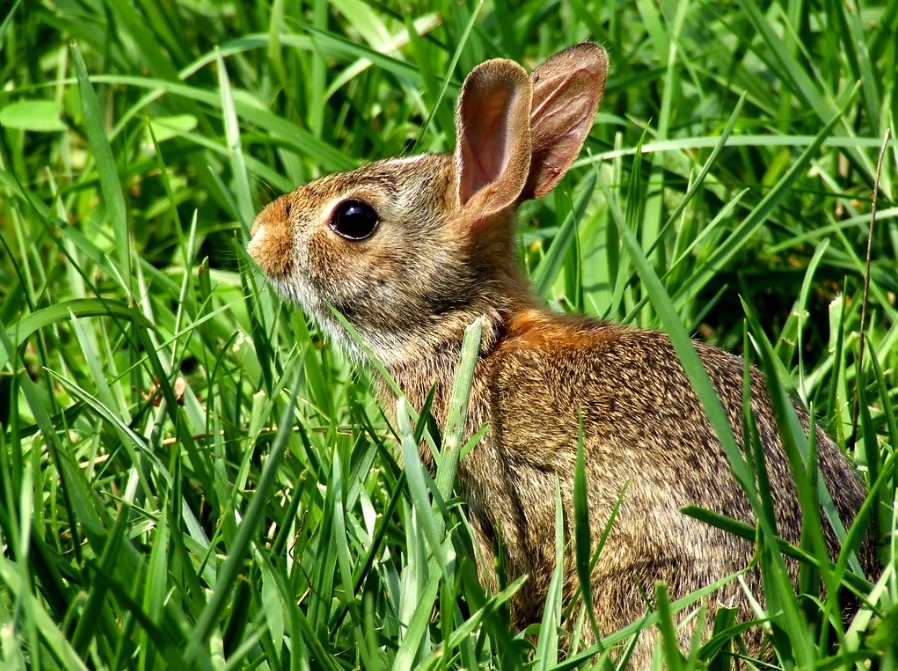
[
  {"x": 492, "y": 157},
  {"x": 567, "y": 90},
  {"x": 560, "y": 122},
  {"x": 485, "y": 150},
  {"x": 576, "y": 105}
]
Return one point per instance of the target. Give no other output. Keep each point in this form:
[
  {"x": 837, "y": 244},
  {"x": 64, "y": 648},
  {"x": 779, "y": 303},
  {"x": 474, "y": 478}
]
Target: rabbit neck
[
  {"x": 486, "y": 487},
  {"x": 430, "y": 365}
]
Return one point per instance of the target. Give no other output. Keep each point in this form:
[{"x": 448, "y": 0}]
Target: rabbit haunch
[{"x": 441, "y": 256}]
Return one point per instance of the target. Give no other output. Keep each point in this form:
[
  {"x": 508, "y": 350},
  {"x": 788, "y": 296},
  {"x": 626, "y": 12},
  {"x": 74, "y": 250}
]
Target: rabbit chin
[{"x": 391, "y": 349}]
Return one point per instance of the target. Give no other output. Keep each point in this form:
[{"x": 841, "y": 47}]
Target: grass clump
[{"x": 190, "y": 480}]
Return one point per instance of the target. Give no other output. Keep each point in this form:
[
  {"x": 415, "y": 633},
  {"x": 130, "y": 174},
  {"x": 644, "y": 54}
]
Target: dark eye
[{"x": 354, "y": 220}]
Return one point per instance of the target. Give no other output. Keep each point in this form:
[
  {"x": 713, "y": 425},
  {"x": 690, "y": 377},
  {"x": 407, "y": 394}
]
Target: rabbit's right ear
[
  {"x": 567, "y": 90},
  {"x": 492, "y": 152}
]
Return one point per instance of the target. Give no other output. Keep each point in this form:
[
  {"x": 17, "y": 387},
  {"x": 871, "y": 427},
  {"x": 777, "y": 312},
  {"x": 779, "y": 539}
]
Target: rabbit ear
[
  {"x": 492, "y": 154},
  {"x": 567, "y": 90}
]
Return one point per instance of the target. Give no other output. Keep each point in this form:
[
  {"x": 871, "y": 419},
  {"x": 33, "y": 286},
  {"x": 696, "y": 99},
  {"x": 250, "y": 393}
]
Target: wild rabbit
[{"x": 413, "y": 250}]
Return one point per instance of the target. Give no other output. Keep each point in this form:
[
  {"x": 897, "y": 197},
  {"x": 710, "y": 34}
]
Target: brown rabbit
[{"x": 411, "y": 251}]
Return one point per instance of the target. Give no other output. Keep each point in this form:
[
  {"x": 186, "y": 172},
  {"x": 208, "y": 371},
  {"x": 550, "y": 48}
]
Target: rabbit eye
[{"x": 354, "y": 220}]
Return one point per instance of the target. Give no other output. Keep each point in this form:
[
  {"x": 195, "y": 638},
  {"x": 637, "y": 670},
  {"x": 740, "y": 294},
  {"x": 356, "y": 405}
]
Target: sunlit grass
[{"x": 191, "y": 478}]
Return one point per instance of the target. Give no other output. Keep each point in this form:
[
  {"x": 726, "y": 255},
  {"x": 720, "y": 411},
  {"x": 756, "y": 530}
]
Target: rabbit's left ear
[
  {"x": 567, "y": 90},
  {"x": 492, "y": 152}
]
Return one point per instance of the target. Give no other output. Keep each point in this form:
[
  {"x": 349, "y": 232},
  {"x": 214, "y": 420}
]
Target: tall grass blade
[{"x": 113, "y": 198}]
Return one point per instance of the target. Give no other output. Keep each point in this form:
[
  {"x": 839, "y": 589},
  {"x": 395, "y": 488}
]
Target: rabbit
[{"x": 413, "y": 250}]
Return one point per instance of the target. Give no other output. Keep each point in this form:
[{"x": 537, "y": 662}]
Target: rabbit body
[
  {"x": 439, "y": 255},
  {"x": 544, "y": 378}
]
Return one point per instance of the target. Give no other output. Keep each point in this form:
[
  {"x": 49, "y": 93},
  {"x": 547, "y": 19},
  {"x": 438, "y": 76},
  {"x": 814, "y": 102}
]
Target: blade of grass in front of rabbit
[
  {"x": 453, "y": 432},
  {"x": 673, "y": 657},
  {"x": 416, "y": 475},
  {"x": 547, "y": 645},
  {"x": 809, "y": 489},
  {"x": 650, "y": 619},
  {"x": 422, "y": 574},
  {"x": 384, "y": 373},
  {"x": 794, "y": 436}
]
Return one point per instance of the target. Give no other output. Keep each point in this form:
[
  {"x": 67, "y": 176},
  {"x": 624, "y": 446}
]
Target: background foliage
[{"x": 152, "y": 513}]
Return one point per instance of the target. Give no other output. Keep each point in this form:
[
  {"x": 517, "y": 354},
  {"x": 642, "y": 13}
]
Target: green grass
[{"x": 190, "y": 478}]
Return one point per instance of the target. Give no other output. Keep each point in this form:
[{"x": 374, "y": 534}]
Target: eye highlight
[{"x": 354, "y": 220}]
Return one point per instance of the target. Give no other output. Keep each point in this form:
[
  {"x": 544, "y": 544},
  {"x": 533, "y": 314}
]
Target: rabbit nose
[
  {"x": 276, "y": 212},
  {"x": 272, "y": 244},
  {"x": 257, "y": 234}
]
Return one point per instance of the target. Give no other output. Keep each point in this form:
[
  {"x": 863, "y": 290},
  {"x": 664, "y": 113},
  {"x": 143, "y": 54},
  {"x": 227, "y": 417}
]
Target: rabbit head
[{"x": 412, "y": 250}]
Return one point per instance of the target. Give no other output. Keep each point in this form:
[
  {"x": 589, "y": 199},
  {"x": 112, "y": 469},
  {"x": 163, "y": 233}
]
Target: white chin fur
[{"x": 390, "y": 349}]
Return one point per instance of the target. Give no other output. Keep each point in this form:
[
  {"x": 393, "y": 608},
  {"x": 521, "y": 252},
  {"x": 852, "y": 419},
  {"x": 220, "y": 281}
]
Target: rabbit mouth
[
  {"x": 391, "y": 349},
  {"x": 296, "y": 291}
]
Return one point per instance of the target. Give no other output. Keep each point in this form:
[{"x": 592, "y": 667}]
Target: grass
[{"x": 191, "y": 479}]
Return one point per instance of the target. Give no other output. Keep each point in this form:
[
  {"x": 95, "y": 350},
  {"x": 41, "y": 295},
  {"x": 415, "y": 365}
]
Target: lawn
[{"x": 192, "y": 477}]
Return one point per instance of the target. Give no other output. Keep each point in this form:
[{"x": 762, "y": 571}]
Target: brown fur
[{"x": 441, "y": 257}]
